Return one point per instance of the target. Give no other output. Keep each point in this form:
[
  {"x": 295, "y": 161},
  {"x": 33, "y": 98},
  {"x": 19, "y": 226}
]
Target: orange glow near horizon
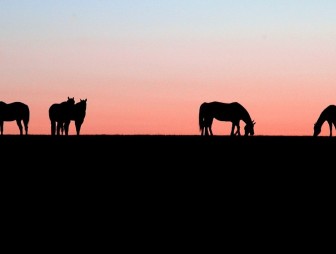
[{"x": 148, "y": 74}]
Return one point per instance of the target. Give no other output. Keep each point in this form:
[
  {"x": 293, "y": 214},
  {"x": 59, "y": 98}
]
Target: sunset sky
[{"x": 145, "y": 66}]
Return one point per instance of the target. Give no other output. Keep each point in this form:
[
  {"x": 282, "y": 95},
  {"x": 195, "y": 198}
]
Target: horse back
[
  {"x": 329, "y": 113},
  {"x": 14, "y": 111},
  {"x": 226, "y": 111}
]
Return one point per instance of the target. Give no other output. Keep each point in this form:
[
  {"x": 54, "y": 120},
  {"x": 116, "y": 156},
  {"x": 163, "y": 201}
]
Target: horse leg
[
  {"x": 206, "y": 131},
  {"x": 19, "y": 124},
  {"x": 78, "y": 125},
  {"x": 235, "y": 125},
  {"x": 232, "y": 130},
  {"x": 238, "y": 130},
  {"x": 203, "y": 130},
  {"x": 209, "y": 124},
  {"x": 210, "y": 130},
  {"x": 66, "y": 128},
  {"x": 62, "y": 128},
  {"x": 330, "y": 128},
  {"x": 26, "y": 127},
  {"x": 58, "y": 127},
  {"x": 53, "y": 128}
]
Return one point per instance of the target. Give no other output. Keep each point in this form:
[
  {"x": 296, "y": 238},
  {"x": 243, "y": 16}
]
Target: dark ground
[
  {"x": 170, "y": 160},
  {"x": 162, "y": 151},
  {"x": 168, "y": 188}
]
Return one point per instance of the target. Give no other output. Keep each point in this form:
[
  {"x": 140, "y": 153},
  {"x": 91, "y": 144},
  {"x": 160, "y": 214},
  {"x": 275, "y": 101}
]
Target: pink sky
[{"x": 149, "y": 75}]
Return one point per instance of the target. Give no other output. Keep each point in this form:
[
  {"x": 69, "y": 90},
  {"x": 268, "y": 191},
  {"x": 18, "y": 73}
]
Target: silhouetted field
[
  {"x": 154, "y": 161},
  {"x": 175, "y": 161},
  {"x": 169, "y": 182},
  {"x": 161, "y": 153}
]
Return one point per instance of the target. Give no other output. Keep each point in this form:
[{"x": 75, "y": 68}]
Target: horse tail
[
  {"x": 25, "y": 114},
  {"x": 25, "y": 118},
  {"x": 201, "y": 117},
  {"x": 51, "y": 113},
  {"x": 28, "y": 115}
]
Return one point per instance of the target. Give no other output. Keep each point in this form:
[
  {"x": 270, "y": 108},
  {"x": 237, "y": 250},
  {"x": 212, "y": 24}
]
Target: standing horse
[
  {"x": 77, "y": 114},
  {"x": 232, "y": 112},
  {"x": 329, "y": 115},
  {"x": 59, "y": 113},
  {"x": 15, "y": 111}
]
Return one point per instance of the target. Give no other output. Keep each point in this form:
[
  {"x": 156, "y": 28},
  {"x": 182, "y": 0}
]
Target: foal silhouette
[
  {"x": 233, "y": 112},
  {"x": 15, "y": 111},
  {"x": 59, "y": 113},
  {"x": 329, "y": 115}
]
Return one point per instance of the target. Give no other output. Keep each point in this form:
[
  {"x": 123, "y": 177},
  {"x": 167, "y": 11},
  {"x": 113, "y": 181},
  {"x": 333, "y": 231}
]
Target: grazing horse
[
  {"x": 59, "y": 113},
  {"x": 329, "y": 115},
  {"x": 15, "y": 111},
  {"x": 77, "y": 114},
  {"x": 232, "y": 112}
]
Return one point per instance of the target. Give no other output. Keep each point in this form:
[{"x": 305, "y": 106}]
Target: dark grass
[
  {"x": 147, "y": 150},
  {"x": 168, "y": 189},
  {"x": 141, "y": 161},
  {"x": 169, "y": 163},
  {"x": 171, "y": 145},
  {"x": 169, "y": 154}
]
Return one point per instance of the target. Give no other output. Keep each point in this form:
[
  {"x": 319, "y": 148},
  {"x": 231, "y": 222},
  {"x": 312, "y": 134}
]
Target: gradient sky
[{"x": 145, "y": 66}]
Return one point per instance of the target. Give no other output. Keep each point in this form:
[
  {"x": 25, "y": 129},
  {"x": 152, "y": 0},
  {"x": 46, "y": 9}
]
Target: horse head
[
  {"x": 83, "y": 103},
  {"x": 249, "y": 128},
  {"x": 71, "y": 101},
  {"x": 317, "y": 130}
]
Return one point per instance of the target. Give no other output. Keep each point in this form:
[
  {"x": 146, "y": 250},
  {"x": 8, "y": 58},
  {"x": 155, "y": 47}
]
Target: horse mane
[
  {"x": 246, "y": 117},
  {"x": 320, "y": 120},
  {"x": 325, "y": 115}
]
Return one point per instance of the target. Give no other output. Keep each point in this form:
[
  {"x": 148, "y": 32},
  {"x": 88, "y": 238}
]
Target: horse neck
[
  {"x": 246, "y": 117},
  {"x": 79, "y": 110},
  {"x": 80, "y": 107},
  {"x": 320, "y": 120}
]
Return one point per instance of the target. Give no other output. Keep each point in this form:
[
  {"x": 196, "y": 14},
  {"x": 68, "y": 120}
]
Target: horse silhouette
[
  {"x": 15, "y": 111},
  {"x": 329, "y": 115},
  {"x": 77, "y": 114},
  {"x": 232, "y": 112},
  {"x": 59, "y": 113}
]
